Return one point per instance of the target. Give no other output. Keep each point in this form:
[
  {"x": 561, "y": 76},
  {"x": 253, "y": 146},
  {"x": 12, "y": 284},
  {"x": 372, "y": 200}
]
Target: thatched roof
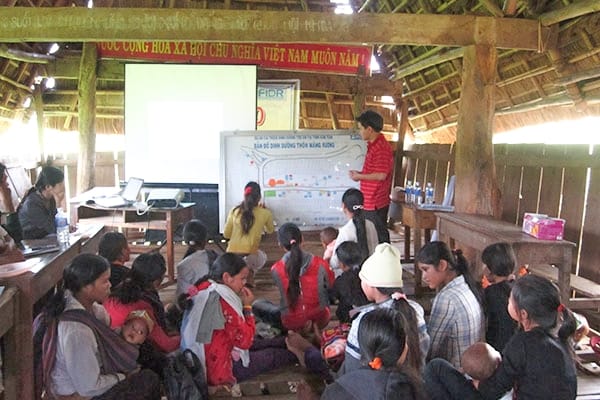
[{"x": 560, "y": 81}]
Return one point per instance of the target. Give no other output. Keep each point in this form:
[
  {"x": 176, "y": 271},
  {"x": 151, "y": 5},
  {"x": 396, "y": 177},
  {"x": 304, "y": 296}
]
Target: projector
[{"x": 165, "y": 198}]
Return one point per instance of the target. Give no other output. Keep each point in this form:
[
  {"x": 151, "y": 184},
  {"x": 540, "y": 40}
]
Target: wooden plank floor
[{"x": 278, "y": 383}]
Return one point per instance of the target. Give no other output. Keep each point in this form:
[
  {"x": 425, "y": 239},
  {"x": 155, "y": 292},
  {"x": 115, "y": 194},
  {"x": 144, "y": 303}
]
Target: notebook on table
[{"x": 126, "y": 197}]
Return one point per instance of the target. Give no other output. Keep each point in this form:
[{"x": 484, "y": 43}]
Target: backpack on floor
[{"x": 185, "y": 378}]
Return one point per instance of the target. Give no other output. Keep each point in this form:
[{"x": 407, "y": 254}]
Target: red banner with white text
[{"x": 349, "y": 60}]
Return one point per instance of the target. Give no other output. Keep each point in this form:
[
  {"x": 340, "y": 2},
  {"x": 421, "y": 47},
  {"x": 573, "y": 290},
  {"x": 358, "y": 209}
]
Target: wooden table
[
  {"x": 417, "y": 219},
  {"x": 9, "y": 310},
  {"x": 479, "y": 231},
  {"x": 421, "y": 221},
  {"x": 42, "y": 274},
  {"x": 164, "y": 219}
]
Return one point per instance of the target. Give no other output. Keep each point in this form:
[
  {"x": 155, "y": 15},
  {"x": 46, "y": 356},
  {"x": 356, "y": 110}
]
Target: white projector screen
[{"x": 174, "y": 114}]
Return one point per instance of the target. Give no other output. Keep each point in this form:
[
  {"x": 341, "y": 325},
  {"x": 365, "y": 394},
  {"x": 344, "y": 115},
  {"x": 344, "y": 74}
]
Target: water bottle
[
  {"x": 408, "y": 191},
  {"x": 62, "y": 227},
  {"x": 417, "y": 194},
  {"x": 429, "y": 193}
]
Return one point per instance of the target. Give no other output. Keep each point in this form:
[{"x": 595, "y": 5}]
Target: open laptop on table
[{"x": 127, "y": 197}]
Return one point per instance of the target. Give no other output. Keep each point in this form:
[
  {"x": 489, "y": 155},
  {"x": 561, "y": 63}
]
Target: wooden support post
[
  {"x": 476, "y": 186},
  {"x": 330, "y": 106},
  {"x": 402, "y": 115},
  {"x": 38, "y": 104},
  {"x": 87, "y": 119}
]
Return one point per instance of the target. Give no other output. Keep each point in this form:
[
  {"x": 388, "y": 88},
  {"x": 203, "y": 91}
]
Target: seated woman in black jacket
[{"x": 38, "y": 207}]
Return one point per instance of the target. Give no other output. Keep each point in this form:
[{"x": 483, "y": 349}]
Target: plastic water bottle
[
  {"x": 408, "y": 192},
  {"x": 429, "y": 193},
  {"x": 417, "y": 194},
  {"x": 62, "y": 227}
]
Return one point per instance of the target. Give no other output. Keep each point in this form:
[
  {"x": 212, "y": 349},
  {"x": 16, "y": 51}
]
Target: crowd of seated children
[
  {"x": 537, "y": 363},
  {"x": 328, "y": 236},
  {"x": 219, "y": 327},
  {"x": 245, "y": 226},
  {"x": 358, "y": 229},
  {"x": 346, "y": 289},
  {"x": 381, "y": 280},
  {"x": 456, "y": 319},
  {"x": 499, "y": 265},
  {"x": 38, "y": 207},
  {"x": 83, "y": 357},
  {"x": 303, "y": 280},
  {"x": 114, "y": 247}
]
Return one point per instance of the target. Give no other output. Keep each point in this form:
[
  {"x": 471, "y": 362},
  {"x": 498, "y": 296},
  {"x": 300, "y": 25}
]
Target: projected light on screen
[{"x": 174, "y": 115}]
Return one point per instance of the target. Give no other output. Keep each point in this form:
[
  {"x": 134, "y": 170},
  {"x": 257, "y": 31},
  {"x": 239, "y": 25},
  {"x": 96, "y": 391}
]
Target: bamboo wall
[{"x": 558, "y": 180}]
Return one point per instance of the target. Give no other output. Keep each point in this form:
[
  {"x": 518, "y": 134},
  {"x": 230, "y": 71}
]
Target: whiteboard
[{"x": 302, "y": 173}]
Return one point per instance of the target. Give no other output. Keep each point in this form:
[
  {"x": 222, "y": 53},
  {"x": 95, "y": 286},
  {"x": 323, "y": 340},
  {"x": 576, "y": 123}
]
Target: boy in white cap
[{"x": 381, "y": 281}]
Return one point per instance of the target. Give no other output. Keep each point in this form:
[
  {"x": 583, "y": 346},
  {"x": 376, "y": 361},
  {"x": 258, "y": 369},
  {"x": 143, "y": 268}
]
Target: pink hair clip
[
  {"x": 397, "y": 296},
  {"x": 248, "y": 191}
]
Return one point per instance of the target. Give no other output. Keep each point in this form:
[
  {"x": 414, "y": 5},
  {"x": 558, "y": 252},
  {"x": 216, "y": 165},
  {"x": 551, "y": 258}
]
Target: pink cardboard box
[{"x": 543, "y": 227}]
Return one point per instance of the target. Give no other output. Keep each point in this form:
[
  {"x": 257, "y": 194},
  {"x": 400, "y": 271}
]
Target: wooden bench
[{"x": 581, "y": 285}]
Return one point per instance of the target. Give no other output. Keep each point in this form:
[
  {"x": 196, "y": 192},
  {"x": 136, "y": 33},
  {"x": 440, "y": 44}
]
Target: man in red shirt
[{"x": 376, "y": 175}]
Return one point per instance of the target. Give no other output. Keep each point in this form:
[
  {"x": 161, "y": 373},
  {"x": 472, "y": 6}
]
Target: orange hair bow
[{"x": 376, "y": 363}]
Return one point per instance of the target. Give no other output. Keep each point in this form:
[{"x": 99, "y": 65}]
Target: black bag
[{"x": 184, "y": 377}]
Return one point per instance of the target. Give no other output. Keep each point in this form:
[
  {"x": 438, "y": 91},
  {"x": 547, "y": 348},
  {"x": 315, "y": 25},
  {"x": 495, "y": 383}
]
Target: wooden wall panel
[
  {"x": 511, "y": 189},
  {"x": 573, "y": 194},
  {"x": 589, "y": 266},
  {"x": 411, "y": 164},
  {"x": 551, "y": 187},
  {"x": 562, "y": 167},
  {"x": 530, "y": 181}
]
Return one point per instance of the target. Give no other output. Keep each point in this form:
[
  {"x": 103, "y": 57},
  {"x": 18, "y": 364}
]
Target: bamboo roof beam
[
  {"x": 492, "y": 7},
  {"x": 429, "y": 62},
  {"x": 510, "y": 7},
  {"x": 576, "y": 9},
  {"x": 16, "y": 84},
  {"x": 24, "y": 56},
  {"x": 74, "y": 113},
  {"x": 591, "y": 73},
  {"x": 49, "y": 24}
]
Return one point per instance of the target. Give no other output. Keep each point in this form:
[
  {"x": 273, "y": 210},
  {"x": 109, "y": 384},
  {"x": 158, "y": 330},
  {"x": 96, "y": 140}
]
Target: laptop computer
[
  {"x": 126, "y": 197},
  {"x": 36, "y": 247}
]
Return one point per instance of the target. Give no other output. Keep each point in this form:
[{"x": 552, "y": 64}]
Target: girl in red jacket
[
  {"x": 303, "y": 280},
  {"x": 218, "y": 325}
]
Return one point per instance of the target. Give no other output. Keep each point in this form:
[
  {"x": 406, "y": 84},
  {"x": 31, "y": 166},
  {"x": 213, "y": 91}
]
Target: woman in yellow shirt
[{"x": 245, "y": 226}]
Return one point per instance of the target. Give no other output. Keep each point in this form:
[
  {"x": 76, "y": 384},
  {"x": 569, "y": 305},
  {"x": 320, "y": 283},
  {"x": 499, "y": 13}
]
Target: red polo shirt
[{"x": 379, "y": 158}]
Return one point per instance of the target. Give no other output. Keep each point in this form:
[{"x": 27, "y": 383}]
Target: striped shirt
[
  {"x": 352, "y": 346},
  {"x": 456, "y": 321},
  {"x": 379, "y": 158}
]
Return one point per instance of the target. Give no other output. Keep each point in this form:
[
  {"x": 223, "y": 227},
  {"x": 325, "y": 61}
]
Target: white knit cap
[{"x": 383, "y": 267}]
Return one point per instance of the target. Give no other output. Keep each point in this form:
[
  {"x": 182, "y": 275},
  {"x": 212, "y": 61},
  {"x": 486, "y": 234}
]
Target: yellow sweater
[{"x": 240, "y": 243}]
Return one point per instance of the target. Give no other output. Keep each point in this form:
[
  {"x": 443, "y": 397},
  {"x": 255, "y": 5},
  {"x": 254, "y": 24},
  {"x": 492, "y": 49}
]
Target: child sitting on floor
[
  {"x": 137, "y": 327},
  {"x": 499, "y": 264},
  {"x": 328, "y": 236},
  {"x": 196, "y": 260},
  {"x": 480, "y": 361},
  {"x": 346, "y": 287}
]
